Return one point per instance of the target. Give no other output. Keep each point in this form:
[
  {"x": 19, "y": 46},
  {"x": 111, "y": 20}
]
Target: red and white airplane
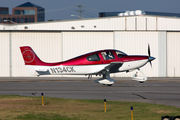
[{"x": 102, "y": 62}]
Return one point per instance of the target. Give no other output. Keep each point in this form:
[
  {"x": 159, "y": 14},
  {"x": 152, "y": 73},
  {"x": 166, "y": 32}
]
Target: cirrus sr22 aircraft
[{"x": 102, "y": 62}]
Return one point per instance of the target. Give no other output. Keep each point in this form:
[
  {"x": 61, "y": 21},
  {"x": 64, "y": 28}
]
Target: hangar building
[{"x": 61, "y": 40}]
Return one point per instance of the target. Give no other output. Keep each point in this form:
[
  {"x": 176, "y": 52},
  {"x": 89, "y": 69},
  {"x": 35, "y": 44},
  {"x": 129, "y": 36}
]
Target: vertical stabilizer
[
  {"x": 33, "y": 63},
  {"x": 30, "y": 57}
]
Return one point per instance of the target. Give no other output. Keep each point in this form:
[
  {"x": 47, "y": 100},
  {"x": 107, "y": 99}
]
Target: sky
[{"x": 63, "y": 9}]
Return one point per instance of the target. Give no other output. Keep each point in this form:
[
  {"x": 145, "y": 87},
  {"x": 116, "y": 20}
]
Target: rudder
[{"x": 29, "y": 56}]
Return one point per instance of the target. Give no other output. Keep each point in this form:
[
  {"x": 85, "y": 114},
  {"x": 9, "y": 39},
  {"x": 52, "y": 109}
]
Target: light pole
[{"x": 77, "y": 16}]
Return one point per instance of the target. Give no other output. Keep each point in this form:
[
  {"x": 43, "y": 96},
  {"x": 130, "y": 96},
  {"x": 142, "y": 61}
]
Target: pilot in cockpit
[{"x": 108, "y": 56}]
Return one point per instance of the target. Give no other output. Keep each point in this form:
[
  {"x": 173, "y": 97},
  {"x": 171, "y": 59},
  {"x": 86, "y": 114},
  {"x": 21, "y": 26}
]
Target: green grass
[
  {"x": 44, "y": 117},
  {"x": 15, "y": 107}
]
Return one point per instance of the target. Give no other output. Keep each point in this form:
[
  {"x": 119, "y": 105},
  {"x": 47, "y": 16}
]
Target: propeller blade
[
  {"x": 150, "y": 64},
  {"x": 149, "y": 52},
  {"x": 150, "y": 58}
]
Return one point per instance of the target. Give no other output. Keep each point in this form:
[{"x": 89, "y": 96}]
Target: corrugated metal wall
[
  {"x": 78, "y": 43},
  {"x": 114, "y": 23},
  {"x": 143, "y": 22},
  {"x": 107, "y": 23},
  {"x": 4, "y": 53},
  {"x": 130, "y": 23},
  {"x": 173, "y": 56},
  {"x": 129, "y": 34},
  {"x": 151, "y": 23},
  {"x": 89, "y": 24},
  {"x": 47, "y": 46},
  {"x": 136, "y": 43},
  {"x": 168, "y": 23},
  {"x": 56, "y": 46}
]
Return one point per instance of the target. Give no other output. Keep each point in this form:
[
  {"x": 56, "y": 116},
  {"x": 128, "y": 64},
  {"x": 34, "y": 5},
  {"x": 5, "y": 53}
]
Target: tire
[
  {"x": 177, "y": 118},
  {"x": 166, "y": 118}
]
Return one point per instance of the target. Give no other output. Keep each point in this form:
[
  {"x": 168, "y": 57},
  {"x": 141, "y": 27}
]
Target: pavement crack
[{"x": 139, "y": 96}]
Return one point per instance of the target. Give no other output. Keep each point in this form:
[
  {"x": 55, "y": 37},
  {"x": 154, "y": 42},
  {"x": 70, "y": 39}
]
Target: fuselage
[
  {"x": 102, "y": 62},
  {"x": 91, "y": 63}
]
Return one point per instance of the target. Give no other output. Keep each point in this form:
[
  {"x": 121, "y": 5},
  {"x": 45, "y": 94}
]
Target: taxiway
[{"x": 156, "y": 90}]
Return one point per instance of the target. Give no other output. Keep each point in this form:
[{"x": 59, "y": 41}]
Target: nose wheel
[{"x": 140, "y": 79}]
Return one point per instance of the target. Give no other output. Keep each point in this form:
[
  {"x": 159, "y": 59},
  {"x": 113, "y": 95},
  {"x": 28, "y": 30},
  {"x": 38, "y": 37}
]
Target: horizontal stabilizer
[{"x": 43, "y": 72}]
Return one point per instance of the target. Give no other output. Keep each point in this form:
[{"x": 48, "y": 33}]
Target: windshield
[
  {"x": 120, "y": 54},
  {"x": 94, "y": 57}
]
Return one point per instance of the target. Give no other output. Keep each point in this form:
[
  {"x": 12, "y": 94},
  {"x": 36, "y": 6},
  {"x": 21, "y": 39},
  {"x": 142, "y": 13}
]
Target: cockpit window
[
  {"x": 94, "y": 57},
  {"x": 120, "y": 54},
  {"x": 107, "y": 55}
]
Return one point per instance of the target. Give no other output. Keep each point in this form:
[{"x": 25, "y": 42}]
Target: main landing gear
[{"x": 105, "y": 80}]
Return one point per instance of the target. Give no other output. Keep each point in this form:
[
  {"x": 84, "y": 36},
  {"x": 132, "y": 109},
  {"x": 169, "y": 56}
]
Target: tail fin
[{"x": 30, "y": 57}]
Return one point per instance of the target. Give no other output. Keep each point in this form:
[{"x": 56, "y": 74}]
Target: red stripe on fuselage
[
  {"x": 83, "y": 61},
  {"x": 30, "y": 58}
]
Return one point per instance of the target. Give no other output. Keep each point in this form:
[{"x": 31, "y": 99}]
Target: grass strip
[{"x": 30, "y": 108}]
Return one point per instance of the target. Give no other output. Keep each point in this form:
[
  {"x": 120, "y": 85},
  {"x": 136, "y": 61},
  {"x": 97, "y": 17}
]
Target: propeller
[
  {"x": 149, "y": 54},
  {"x": 149, "y": 51}
]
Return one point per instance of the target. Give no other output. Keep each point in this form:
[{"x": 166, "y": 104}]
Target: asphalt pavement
[{"x": 156, "y": 90}]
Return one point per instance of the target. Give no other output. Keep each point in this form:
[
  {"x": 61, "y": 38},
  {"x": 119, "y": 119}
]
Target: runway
[{"x": 156, "y": 90}]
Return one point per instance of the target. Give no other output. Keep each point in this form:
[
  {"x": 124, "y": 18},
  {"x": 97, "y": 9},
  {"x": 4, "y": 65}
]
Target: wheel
[
  {"x": 166, "y": 118},
  {"x": 109, "y": 84},
  {"x": 177, "y": 118}
]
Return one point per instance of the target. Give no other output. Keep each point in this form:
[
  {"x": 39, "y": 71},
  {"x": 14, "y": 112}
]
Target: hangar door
[
  {"x": 47, "y": 45},
  {"x": 173, "y": 55},
  {"x": 78, "y": 43},
  {"x": 4, "y": 53},
  {"x": 136, "y": 43}
]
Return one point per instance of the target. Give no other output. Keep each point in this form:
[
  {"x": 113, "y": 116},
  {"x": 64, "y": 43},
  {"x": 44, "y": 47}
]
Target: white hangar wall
[
  {"x": 144, "y": 22},
  {"x": 77, "y": 43},
  {"x": 57, "y": 46},
  {"x": 136, "y": 43},
  {"x": 106, "y": 23},
  {"x": 173, "y": 55},
  {"x": 47, "y": 45},
  {"x": 4, "y": 53},
  {"x": 168, "y": 23},
  {"x": 81, "y": 24},
  {"x": 61, "y": 40},
  {"x": 130, "y": 42}
]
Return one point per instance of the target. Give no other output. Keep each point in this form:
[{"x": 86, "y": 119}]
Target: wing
[{"x": 112, "y": 67}]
